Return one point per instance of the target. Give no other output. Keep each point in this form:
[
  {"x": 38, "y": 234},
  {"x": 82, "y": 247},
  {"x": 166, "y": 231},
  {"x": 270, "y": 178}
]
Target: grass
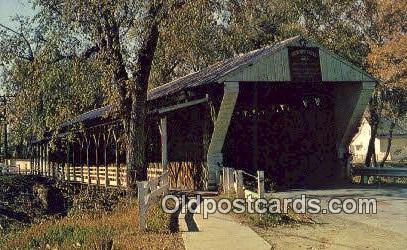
[
  {"x": 270, "y": 219},
  {"x": 92, "y": 219},
  {"x": 273, "y": 219},
  {"x": 116, "y": 229}
]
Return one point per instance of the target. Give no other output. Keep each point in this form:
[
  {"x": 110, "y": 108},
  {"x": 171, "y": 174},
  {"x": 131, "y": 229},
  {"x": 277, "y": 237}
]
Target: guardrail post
[
  {"x": 142, "y": 203},
  {"x": 225, "y": 179},
  {"x": 231, "y": 180},
  {"x": 260, "y": 184},
  {"x": 239, "y": 183}
]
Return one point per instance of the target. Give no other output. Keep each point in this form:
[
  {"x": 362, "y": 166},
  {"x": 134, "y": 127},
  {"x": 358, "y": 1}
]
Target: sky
[{"x": 10, "y": 8}]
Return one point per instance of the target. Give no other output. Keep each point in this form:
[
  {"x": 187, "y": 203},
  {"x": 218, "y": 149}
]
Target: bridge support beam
[
  {"x": 87, "y": 141},
  {"x": 96, "y": 138},
  {"x": 221, "y": 126},
  {"x": 116, "y": 161},
  {"x": 42, "y": 159},
  {"x": 47, "y": 165},
  {"x": 106, "y": 138},
  {"x": 351, "y": 104},
  {"x": 164, "y": 142}
]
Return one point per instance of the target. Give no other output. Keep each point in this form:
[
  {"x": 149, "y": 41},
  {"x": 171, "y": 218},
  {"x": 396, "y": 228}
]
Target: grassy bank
[
  {"x": 117, "y": 229},
  {"x": 93, "y": 220}
]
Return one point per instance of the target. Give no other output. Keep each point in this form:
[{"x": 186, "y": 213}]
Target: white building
[{"x": 398, "y": 150}]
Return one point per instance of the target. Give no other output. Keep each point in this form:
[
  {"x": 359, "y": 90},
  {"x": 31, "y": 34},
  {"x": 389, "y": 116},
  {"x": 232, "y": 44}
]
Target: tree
[
  {"x": 106, "y": 26},
  {"x": 47, "y": 92},
  {"x": 69, "y": 32},
  {"x": 387, "y": 61},
  {"x": 121, "y": 48},
  {"x": 190, "y": 40}
]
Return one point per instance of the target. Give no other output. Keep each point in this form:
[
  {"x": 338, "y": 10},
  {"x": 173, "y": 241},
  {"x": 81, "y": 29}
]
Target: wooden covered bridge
[{"x": 289, "y": 109}]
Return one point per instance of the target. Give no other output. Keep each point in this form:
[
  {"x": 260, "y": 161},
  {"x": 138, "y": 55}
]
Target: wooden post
[
  {"x": 239, "y": 184},
  {"x": 105, "y": 142},
  {"x": 68, "y": 170},
  {"x": 41, "y": 161},
  {"x": 106, "y": 166},
  {"x": 87, "y": 159},
  {"x": 81, "y": 159},
  {"x": 33, "y": 156},
  {"x": 47, "y": 159},
  {"x": 116, "y": 162},
  {"x": 44, "y": 155},
  {"x": 44, "y": 163},
  {"x": 231, "y": 180},
  {"x": 225, "y": 179},
  {"x": 36, "y": 160},
  {"x": 96, "y": 138},
  {"x": 63, "y": 169},
  {"x": 164, "y": 143},
  {"x": 260, "y": 183},
  {"x": 73, "y": 160},
  {"x": 142, "y": 199}
]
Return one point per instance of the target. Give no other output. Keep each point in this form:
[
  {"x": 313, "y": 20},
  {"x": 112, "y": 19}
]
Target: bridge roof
[{"x": 258, "y": 65}]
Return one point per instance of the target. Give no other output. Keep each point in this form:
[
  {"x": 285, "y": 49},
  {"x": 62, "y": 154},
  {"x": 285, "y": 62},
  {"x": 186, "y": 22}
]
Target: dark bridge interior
[{"x": 287, "y": 130}]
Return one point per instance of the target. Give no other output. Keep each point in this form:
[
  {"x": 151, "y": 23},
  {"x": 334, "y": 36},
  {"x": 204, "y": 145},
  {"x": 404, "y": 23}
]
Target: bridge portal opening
[{"x": 287, "y": 130}]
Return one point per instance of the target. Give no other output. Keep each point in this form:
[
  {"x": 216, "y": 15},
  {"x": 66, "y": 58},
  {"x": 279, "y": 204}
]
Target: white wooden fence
[
  {"x": 148, "y": 192},
  {"x": 109, "y": 176},
  {"x": 15, "y": 166},
  {"x": 233, "y": 183}
]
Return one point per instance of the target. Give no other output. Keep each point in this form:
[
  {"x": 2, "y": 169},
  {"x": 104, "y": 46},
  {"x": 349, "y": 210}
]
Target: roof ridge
[{"x": 270, "y": 46}]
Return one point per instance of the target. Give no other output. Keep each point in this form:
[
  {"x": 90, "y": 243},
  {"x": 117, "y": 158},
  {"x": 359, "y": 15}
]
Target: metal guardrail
[{"x": 391, "y": 172}]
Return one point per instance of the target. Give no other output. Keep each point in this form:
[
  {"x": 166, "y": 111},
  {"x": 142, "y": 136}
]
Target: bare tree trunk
[
  {"x": 389, "y": 139},
  {"x": 371, "y": 148},
  {"x": 373, "y": 120},
  {"x": 374, "y": 156},
  {"x": 136, "y": 132}
]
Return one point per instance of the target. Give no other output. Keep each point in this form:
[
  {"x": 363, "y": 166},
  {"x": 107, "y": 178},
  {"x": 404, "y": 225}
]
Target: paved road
[{"x": 385, "y": 230}]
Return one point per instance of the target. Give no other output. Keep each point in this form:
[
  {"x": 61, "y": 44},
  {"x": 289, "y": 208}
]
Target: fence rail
[
  {"x": 148, "y": 192},
  {"x": 15, "y": 167},
  {"x": 111, "y": 175},
  {"x": 94, "y": 175},
  {"x": 233, "y": 182},
  {"x": 182, "y": 174}
]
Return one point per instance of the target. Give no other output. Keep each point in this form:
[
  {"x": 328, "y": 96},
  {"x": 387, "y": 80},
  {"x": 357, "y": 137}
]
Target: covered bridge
[{"x": 290, "y": 109}]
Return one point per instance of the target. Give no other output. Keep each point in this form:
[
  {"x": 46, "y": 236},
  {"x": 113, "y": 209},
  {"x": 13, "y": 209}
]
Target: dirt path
[{"x": 385, "y": 230}]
